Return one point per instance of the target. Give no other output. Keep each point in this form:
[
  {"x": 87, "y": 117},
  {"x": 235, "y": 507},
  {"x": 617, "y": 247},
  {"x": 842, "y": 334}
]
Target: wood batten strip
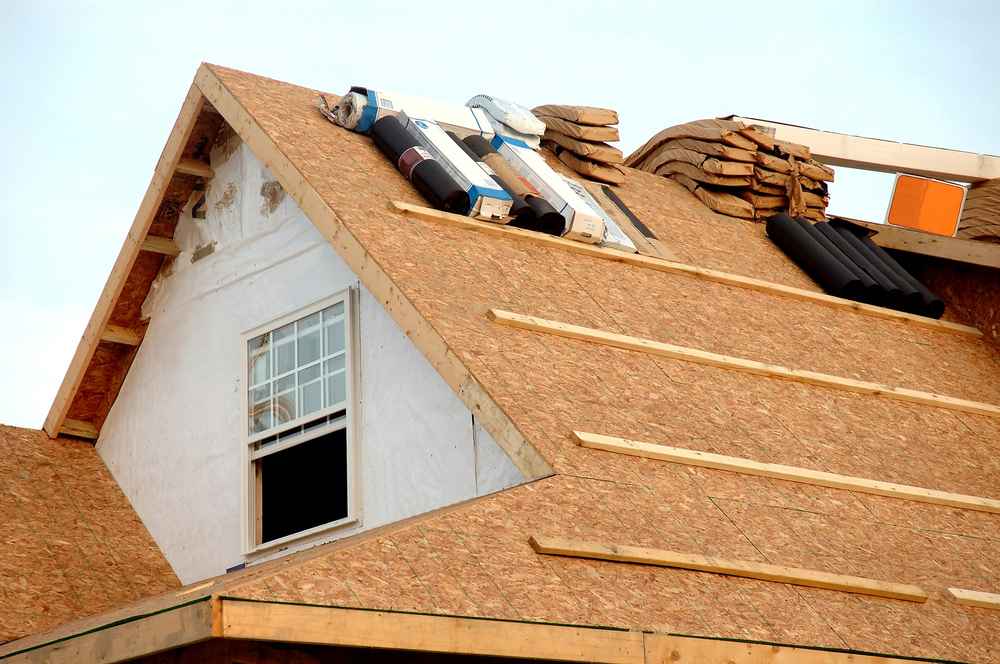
[
  {"x": 195, "y": 167},
  {"x": 160, "y": 245},
  {"x": 744, "y": 568},
  {"x": 121, "y": 335},
  {"x": 731, "y": 363},
  {"x": 975, "y": 598},
  {"x": 671, "y": 267},
  {"x": 79, "y": 429},
  {"x": 781, "y": 472}
]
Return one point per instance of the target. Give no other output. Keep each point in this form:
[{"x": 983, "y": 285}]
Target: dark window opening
[{"x": 303, "y": 486}]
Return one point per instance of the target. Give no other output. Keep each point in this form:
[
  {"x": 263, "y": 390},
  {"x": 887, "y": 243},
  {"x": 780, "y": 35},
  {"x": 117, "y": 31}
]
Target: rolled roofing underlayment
[
  {"x": 846, "y": 263},
  {"x": 417, "y": 164}
]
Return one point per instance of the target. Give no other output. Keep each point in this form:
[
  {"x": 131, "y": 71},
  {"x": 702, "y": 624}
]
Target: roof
[
  {"x": 71, "y": 544},
  {"x": 533, "y": 390}
]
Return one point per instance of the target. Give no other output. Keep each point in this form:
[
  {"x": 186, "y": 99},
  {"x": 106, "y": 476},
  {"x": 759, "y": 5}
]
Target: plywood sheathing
[
  {"x": 972, "y": 292},
  {"x": 70, "y": 544},
  {"x": 550, "y": 386}
]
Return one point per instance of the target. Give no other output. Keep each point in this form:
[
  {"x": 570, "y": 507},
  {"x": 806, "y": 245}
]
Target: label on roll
[{"x": 410, "y": 158}]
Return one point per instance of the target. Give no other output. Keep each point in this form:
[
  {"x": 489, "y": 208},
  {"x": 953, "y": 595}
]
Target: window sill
[{"x": 271, "y": 547}]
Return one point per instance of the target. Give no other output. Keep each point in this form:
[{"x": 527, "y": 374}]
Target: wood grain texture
[
  {"x": 782, "y": 472},
  {"x": 975, "y": 598},
  {"x": 673, "y": 267},
  {"x": 745, "y": 568},
  {"x": 744, "y": 365}
]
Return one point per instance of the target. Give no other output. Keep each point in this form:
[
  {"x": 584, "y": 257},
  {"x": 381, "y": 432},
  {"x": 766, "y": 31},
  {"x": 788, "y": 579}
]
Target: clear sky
[{"x": 90, "y": 91}]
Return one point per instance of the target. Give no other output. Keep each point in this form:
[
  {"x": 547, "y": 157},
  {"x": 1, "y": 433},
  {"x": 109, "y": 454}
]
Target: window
[{"x": 298, "y": 410}]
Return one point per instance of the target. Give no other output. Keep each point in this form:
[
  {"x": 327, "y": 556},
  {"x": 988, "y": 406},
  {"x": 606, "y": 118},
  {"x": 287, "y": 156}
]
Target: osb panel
[
  {"x": 71, "y": 544},
  {"x": 972, "y": 292},
  {"x": 98, "y": 380},
  {"x": 550, "y": 386},
  {"x": 174, "y": 199}
]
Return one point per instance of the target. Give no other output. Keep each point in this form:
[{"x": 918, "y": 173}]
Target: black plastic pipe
[
  {"x": 910, "y": 299},
  {"x": 813, "y": 258},
  {"x": 888, "y": 293},
  {"x": 872, "y": 291}
]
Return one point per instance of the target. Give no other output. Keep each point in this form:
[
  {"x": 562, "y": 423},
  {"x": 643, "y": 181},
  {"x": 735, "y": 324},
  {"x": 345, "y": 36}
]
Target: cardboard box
[
  {"x": 380, "y": 103},
  {"x": 614, "y": 236},
  {"x": 582, "y": 222},
  {"x": 486, "y": 199}
]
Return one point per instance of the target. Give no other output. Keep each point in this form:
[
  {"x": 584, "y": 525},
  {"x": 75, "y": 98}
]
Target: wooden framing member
[
  {"x": 527, "y": 459},
  {"x": 913, "y": 241},
  {"x": 79, "y": 429},
  {"x": 781, "y": 472},
  {"x": 233, "y": 618},
  {"x": 121, "y": 335},
  {"x": 729, "y": 362},
  {"x": 975, "y": 598},
  {"x": 873, "y": 154},
  {"x": 160, "y": 245},
  {"x": 164, "y": 170},
  {"x": 745, "y": 568},
  {"x": 662, "y": 265},
  {"x": 124, "y": 640},
  {"x": 195, "y": 167}
]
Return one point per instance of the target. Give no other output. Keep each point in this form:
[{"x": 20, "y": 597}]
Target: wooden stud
[
  {"x": 874, "y": 154},
  {"x": 296, "y": 623},
  {"x": 744, "y": 568},
  {"x": 781, "y": 472},
  {"x": 451, "y": 368},
  {"x": 160, "y": 245},
  {"x": 195, "y": 167},
  {"x": 975, "y": 598},
  {"x": 676, "y": 649},
  {"x": 118, "y": 642},
  {"x": 178, "y": 138},
  {"x": 671, "y": 267},
  {"x": 121, "y": 335},
  {"x": 696, "y": 356},
  {"x": 79, "y": 428}
]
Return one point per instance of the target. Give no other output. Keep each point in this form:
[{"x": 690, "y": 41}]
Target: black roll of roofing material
[
  {"x": 872, "y": 291},
  {"x": 888, "y": 293},
  {"x": 933, "y": 306},
  {"x": 545, "y": 218},
  {"x": 418, "y": 166},
  {"x": 813, "y": 258},
  {"x": 909, "y": 298},
  {"x": 519, "y": 208}
]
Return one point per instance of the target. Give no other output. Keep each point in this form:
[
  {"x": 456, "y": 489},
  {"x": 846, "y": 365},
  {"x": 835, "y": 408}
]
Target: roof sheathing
[
  {"x": 550, "y": 386},
  {"x": 477, "y": 561}
]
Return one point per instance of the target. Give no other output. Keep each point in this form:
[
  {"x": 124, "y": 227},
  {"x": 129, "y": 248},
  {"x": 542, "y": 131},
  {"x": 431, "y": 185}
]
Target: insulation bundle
[
  {"x": 738, "y": 170},
  {"x": 579, "y": 136}
]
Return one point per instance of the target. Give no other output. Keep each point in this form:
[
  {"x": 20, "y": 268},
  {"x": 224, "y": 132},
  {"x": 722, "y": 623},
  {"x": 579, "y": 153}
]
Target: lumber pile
[
  {"x": 579, "y": 136},
  {"x": 738, "y": 170},
  {"x": 981, "y": 213}
]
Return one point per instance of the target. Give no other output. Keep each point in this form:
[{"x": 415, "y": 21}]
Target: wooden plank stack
[
  {"x": 578, "y": 135},
  {"x": 981, "y": 213},
  {"x": 738, "y": 170}
]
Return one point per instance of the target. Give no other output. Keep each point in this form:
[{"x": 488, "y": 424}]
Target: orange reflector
[{"x": 928, "y": 205}]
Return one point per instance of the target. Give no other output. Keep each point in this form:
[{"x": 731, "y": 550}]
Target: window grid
[{"x": 280, "y": 400}]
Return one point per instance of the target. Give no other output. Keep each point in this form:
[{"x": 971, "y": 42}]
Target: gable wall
[{"x": 173, "y": 438}]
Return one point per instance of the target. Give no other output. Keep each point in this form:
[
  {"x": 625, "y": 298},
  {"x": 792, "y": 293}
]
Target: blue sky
[{"x": 91, "y": 89}]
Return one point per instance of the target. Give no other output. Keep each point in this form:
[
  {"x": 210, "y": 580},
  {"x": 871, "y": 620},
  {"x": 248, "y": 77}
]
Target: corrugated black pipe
[{"x": 813, "y": 258}]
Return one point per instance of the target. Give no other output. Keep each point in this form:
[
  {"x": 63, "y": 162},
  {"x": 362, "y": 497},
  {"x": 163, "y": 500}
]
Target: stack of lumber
[
  {"x": 579, "y": 136},
  {"x": 981, "y": 212},
  {"x": 738, "y": 170}
]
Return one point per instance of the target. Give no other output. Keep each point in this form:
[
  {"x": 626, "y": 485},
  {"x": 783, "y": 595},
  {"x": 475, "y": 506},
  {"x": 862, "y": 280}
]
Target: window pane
[
  {"x": 335, "y": 364},
  {"x": 309, "y": 347},
  {"x": 284, "y": 408},
  {"x": 333, "y": 311},
  {"x": 311, "y": 397},
  {"x": 284, "y": 357},
  {"x": 259, "y": 394},
  {"x": 336, "y": 388},
  {"x": 309, "y": 374},
  {"x": 284, "y": 384},
  {"x": 260, "y": 416},
  {"x": 259, "y": 354},
  {"x": 334, "y": 337}
]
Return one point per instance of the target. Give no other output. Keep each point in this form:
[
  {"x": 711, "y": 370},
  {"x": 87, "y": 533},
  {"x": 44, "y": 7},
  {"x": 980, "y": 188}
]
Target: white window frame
[{"x": 347, "y": 422}]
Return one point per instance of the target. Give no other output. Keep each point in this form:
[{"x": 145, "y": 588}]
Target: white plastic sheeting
[{"x": 173, "y": 438}]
